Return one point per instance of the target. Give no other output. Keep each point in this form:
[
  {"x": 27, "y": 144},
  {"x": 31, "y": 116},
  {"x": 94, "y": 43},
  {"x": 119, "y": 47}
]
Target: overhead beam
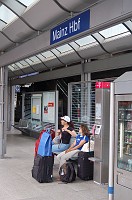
[
  {"x": 114, "y": 62},
  {"x": 55, "y": 74}
]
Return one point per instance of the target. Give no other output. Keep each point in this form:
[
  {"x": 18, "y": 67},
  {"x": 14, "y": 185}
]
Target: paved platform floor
[{"x": 16, "y": 182}]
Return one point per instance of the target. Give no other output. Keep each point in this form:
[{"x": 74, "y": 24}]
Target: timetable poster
[
  {"x": 49, "y": 107},
  {"x": 36, "y": 107}
]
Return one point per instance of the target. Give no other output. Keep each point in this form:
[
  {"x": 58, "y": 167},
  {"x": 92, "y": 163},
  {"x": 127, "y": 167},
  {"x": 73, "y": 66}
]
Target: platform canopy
[{"x": 25, "y": 34}]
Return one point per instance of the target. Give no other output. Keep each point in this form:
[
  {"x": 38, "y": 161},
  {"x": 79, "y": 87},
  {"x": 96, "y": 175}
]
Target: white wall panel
[
  {"x": 119, "y": 45},
  {"x": 53, "y": 63},
  {"x": 69, "y": 58},
  {"x": 105, "y": 11},
  {"x": 109, "y": 10},
  {"x": 46, "y": 12},
  {"x": 91, "y": 52},
  {"x": 18, "y": 30},
  {"x": 25, "y": 50},
  {"x": 127, "y": 6},
  {"x": 4, "y": 42}
]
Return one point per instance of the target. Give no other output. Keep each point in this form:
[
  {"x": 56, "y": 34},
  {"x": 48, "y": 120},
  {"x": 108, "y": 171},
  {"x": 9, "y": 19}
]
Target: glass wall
[{"x": 124, "y": 135}]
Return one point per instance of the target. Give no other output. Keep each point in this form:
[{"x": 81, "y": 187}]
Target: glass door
[{"x": 124, "y": 150}]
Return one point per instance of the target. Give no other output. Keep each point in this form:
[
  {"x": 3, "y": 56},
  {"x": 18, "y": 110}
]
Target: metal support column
[
  {"x": 3, "y": 109},
  {"x": 12, "y": 105},
  {"x": 23, "y": 99},
  {"x": 89, "y": 97},
  {"x": 82, "y": 72},
  {"x": 69, "y": 100},
  {"x": 5, "y": 95},
  {"x": 9, "y": 108},
  {"x": 82, "y": 102},
  {"x": 56, "y": 110},
  {"x": 111, "y": 145},
  {"x": 1, "y": 112}
]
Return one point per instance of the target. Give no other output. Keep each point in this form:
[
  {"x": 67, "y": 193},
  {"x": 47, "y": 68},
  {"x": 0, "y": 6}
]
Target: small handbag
[{"x": 87, "y": 147}]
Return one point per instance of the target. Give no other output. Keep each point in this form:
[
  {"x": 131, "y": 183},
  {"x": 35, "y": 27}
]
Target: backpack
[
  {"x": 52, "y": 133},
  {"x": 67, "y": 172},
  {"x": 45, "y": 144},
  {"x": 37, "y": 143}
]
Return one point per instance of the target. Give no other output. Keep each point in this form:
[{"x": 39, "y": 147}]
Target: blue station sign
[
  {"x": 17, "y": 88},
  {"x": 71, "y": 27}
]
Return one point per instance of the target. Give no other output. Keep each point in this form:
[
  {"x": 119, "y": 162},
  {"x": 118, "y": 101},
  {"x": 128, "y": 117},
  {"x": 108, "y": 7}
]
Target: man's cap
[{"x": 66, "y": 118}]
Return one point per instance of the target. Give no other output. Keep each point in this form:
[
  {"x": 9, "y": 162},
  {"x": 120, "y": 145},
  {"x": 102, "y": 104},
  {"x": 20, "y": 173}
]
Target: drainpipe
[{"x": 111, "y": 145}]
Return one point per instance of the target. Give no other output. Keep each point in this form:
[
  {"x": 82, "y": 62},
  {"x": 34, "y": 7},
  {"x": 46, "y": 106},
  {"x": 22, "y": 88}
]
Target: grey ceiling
[{"x": 41, "y": 17}]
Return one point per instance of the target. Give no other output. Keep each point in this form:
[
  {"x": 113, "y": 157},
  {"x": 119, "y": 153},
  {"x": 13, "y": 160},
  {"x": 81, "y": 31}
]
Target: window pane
[
  {"x": 40, "y": 56},
  {"x": 19, "y": 64},
  {"x": 129, "y": 24},
  {"x": 15, "y": 67},
  {"x": 113, "y": 31},
  {"x": 6, "y": 15},
  {"x": 2, "y": 24},
  {"x": 34, "y": 59},
  {"x": 23, "y": 63},
  {"x": 64, "y": 48},
  {"x": 28, "y": 2},
  {"x": 85, "y": 41},
  {"x": 48, "y": 54},
  {"x": 30, "y": 62},
  {"x": 11, "y": 68}
]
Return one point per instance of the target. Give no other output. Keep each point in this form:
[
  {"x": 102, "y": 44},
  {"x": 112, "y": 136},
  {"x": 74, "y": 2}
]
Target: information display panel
[
  {"x": 36, "y": 106},
  {"x": 48, "y": 107}
]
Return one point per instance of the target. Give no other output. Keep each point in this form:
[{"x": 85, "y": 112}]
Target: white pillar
[
  {"x": 9, "y": 108},
  {"x": 111, "y": 145},
  {"x": 87, "y": 99},
  {"x": 69, "y": 111},
  {"x": 1, "y": 112},
  {"x": 6, "y": 102},
  {"x": 3, "y": 109},
  {"x": 23, "y": 105},
  {"x": 12, "y": 105},
  {"x": 82, "y": 71}
]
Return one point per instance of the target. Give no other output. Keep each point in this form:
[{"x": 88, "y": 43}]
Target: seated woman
[
  {"x": 65, "y": 135},
  {"x": 81, "y": 139}
]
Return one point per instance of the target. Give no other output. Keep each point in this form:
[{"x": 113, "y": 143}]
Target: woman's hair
[
  {"x": 85, "y": 129},
  {"x": 71, "y": 124}
]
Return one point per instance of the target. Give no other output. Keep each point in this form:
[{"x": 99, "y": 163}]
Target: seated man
[{"x": 75, "y": 148}]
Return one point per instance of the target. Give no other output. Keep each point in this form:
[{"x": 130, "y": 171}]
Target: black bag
[
  {"x": 85, "y": 166},
  {"x": 43, "y": 169},
  {"x": 67, "y": 172}
]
